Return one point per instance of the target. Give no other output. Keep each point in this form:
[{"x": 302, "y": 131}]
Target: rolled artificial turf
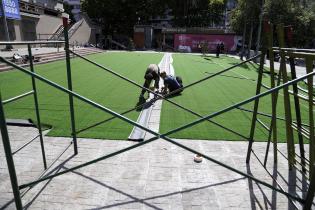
[
  {"x": 102, "y": 87},
  {"x": 89, "y": 81},
  {"x": 218, "y": 93}
]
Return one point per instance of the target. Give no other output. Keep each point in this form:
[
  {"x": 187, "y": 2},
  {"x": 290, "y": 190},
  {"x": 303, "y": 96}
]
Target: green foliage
[
  {"x": 245, "y": 12},
  {"x": 289, "y": 12},
  {"x": 197, "y": 13},
  {"x": 216, "y": 9},
  {"x": 121, "y": 15}
]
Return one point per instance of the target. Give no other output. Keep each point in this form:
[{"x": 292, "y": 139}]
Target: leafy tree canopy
[
  {"x": 297, "y": 13},
  {"x": 121, "y": 15}
]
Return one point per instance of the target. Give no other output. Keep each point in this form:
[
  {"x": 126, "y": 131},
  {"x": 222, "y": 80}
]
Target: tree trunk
[
  {"x": 243, "y": 41},
  {"x": 250, "y": 39},
  {"x": 259, "y": 29}
]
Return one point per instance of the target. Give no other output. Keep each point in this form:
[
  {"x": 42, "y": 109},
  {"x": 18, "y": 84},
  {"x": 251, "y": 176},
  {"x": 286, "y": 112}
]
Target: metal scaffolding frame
[
  {"x": 302, "y": 129},
  {"x": 273, "y": 91}
]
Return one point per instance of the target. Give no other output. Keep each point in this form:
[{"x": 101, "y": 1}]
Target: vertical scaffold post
[
  {"x": 310, "y": 80},
  {"x": 287, "y": 104},
  {"x": 256, "y": 104},
  {"x": 37, "y": 107},
  {"x": 69, "y": 78},
  {"x": 274, "y": 100},
  {"x": 289, "y": 36},
  {"x": 274, "y": 95},
  {"x": 298, "y": 113},
  {"x": 311, "y": 191},
  {"x": 9, "y": 158}
]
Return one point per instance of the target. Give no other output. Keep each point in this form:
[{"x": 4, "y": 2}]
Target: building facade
[
  {"x": 162, "y": 33},
  {"x": 35, "y": 14}
]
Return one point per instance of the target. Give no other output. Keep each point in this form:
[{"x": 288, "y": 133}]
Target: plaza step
[{"x": 54, "y": 56}]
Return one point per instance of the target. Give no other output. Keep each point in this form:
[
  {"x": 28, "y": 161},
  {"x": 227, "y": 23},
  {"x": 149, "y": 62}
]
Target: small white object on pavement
[{"x": 198, "y": 159}]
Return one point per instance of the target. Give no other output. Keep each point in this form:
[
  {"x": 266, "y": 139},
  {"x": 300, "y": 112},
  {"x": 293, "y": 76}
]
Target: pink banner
[{"x": 192, "y": 42}]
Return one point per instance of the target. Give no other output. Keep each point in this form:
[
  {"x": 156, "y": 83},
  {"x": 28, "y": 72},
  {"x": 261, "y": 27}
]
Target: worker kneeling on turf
[
  {"x": 152, "y": 73},
  {"x": 171, "y": 84}
]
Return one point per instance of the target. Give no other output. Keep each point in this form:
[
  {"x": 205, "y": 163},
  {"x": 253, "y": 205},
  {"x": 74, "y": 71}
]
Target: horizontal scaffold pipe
[
  {"x": 164, "y": 136},
  {"x": 164, "y": 97},
  {"x": 31, "y": 42},
  {"x": 17, "y": 97},
  {"x": 74, "y": 94},
  {"x": 295, "y": 50},
  {"x": 253, "y": 98}
]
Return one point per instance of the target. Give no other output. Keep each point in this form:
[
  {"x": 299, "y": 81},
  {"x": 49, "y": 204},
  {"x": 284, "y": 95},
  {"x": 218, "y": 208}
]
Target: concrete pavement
[{"x": 158, "y": 175}]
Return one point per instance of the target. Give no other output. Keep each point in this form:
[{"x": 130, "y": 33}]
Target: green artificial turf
[
  {"x": 89, "y": 81},
  {"x": 216, "y": 94}
]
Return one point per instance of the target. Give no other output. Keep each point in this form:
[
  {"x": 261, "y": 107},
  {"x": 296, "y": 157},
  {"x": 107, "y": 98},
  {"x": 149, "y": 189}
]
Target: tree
[
  {"x": 120, "y": 16},
  {"x": 216, "y": 9},
  {"x": 197, "y": 13},
  {"x": 299, "y": 14},
  {"x": 246, "y": 11},
  {"x": 292, "y": 12},
  {"x": 246, "y": 14}
]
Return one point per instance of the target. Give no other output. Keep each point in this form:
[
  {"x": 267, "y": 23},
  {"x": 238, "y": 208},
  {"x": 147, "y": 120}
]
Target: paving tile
[{"x": 156, "y": 176}]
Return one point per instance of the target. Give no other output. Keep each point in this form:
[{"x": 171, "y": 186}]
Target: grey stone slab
[{"x": 158, "y": 175}]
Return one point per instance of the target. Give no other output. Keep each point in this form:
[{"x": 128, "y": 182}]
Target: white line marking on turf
[
  {"x": 256, "y": 83},
  {"x": 150, "y": 116},
  {"x": 154, "y": 119}
]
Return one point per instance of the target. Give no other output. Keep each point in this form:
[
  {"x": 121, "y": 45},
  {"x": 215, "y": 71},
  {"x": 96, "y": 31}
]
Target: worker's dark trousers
[{"x": 146, "y": 84}]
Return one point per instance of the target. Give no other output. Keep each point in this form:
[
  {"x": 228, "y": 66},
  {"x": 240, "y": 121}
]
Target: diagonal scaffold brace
[
  {"x": 164, "y": 97},
  {"x": 163, "y": 136}
]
